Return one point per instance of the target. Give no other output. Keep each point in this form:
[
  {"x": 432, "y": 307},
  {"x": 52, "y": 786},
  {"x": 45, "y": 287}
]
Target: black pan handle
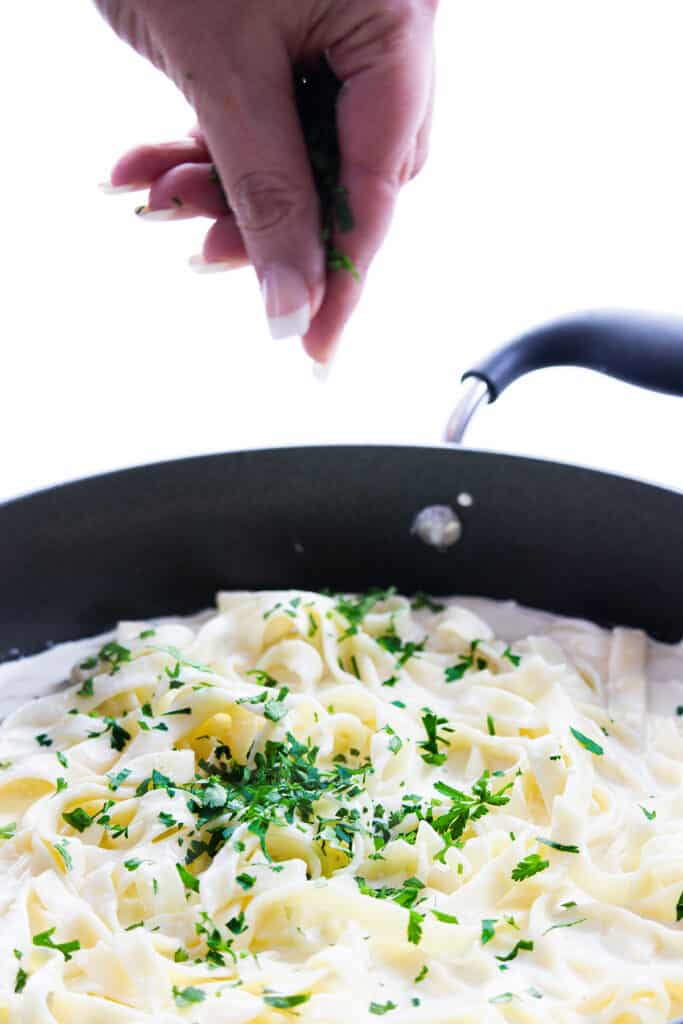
[{"x": 640, "y": 348}]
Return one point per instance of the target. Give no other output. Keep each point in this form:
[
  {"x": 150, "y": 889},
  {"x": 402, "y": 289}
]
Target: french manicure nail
[
  {"x": 200, "y": 265},
  {"x": 287, "y": 302},
  {"x": 119, "y": 190},
  {"x": 176, "y": 213},
  {"x": 322, "y": 371}
]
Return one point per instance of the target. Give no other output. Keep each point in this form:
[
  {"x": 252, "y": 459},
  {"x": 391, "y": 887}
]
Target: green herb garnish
[
  {"x": 587, "y": 742},
  {"x": 528, "y": 867}
]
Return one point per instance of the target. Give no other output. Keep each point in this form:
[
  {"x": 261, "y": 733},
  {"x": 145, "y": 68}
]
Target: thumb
[{"x": 249, "y": 119}]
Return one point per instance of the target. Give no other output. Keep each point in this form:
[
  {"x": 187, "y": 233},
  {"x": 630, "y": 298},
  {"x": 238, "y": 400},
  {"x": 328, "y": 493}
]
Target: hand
[{"x": 233, "y": 61}]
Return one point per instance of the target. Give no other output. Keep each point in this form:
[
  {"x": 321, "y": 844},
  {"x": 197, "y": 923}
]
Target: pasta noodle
[{"x": 341, "y": 808}]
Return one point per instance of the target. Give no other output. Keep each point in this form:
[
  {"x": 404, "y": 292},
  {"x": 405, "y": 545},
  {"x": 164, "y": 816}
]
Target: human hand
[{"x": 233, "y": 61}]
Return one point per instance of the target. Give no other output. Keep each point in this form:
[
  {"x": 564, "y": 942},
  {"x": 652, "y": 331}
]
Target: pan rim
[{"x": 110, "y": 474}]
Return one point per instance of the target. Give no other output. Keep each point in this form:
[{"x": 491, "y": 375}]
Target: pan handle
[{"x": 640, "y": 348}]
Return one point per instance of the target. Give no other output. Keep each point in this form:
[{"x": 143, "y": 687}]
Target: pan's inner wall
[{"x": 162, "y": 539}]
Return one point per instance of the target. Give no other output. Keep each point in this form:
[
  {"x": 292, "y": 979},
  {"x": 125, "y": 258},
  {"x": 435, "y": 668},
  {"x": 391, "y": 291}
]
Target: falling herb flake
[
  {"x": 8, "y": 831},
  {"x": 650, "y": 815},
  {"x": 490, "y": 725},
  {"x": 488, "y": 929},
  {"x": 679, "y": 908},
  {"x": 43, "y": 740},
  {"x": 587, "y": 742},
  {"x": 20, "y": 981},
  {"x": 422, "y": 975},
  {"x": 379, "y": 1009},
  {"x": 504, "y": 997}
]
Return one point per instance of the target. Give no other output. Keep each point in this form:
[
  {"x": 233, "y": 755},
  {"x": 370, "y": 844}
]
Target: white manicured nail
[
  {"x": 287, "y": 303},
  {"x": 144, "y": 213},
  {"x": 119, "y": 190},
  {"x": 203, "y": 266},
  {"x": 322, "y": 371}
]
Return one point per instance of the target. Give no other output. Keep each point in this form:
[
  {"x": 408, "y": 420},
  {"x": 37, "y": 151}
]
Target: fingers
[
  {"x": 252, "y": 128},
  {"x": 189, "y": 190},
  {"x": 144, "y": 164},
  {"x": 224, "y": 245},
  {"x": 382, "y": 107},
  {"x": 424, "y": 134}
]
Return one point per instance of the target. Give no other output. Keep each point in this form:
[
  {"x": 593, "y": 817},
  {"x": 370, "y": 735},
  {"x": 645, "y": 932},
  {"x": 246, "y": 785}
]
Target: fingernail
[
  {"x": 322, "y": 371},
  {"x": 200, "y": 265},
  {"x": 119, "y": 190},
  {"x": 287, "y": 302},
  {"x": 144, "y": 213}
]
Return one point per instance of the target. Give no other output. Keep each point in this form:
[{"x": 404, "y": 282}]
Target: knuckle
[{"x": 263, "y": 200}]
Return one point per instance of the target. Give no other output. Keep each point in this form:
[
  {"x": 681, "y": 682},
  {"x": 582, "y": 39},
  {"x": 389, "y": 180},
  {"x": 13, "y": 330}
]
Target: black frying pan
[{"x": 163, "y": 538}]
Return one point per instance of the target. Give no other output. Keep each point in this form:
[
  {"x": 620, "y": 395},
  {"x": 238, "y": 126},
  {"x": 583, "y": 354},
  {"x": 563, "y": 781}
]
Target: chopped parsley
[
  {"x": 379, "y": 1009},
  {"x": 20, "y": 981},
  {"x": 523, "y": 944},
  {"x": 78, "y": 819},
  {"x": 45, "y": 941},
  {"x": 445, "y": 918},
  {"x": 488, "y": 929},
  {"x": 286, "y": 1002},
  {"x": 431, "y": 722},
  {"x": 188, "y": 996},
  {"x": 115, "y": 654},
  {"x": 528, "y": 867},
  {"x": 118, "y": 735},
  {"x": 490, "y": 725},
  {"x": 189, "y": 881},
  {"x": 465, "y": 663},
  {"x": 87, "y": 689},
  {"x": 63, "y": 852},
  {"x": 8, "y": 831},
  {"x": 587, "y": 742},
  {"x": 565, "y": 924},
  {"x": 117, "y": 779},
  {"x": 415, "y": 920},
  {"x": 679, "y": 908},
  {"x": 43, "y": 740},
  {"x": 246, "y": 881},
  {"x": 650, "y": 815},
  {"x": 421, "y": 600},
  {"x": 562, "y": 847},
  {"x": 62, "y": 759},
  {"x": 514, "y": 659},
  {"x": 504, "y": 997},
  {"x": 422, "y": 975}
]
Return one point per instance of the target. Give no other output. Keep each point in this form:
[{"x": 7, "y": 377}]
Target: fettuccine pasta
[{"x": 332, "y": 809}]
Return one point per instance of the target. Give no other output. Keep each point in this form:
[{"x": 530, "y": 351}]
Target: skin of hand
[{"x": 233, "y": 60}]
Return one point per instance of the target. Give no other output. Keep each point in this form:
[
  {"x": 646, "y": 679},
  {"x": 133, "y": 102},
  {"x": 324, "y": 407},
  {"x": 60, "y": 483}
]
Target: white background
[{"x": 555, "y": 184}]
